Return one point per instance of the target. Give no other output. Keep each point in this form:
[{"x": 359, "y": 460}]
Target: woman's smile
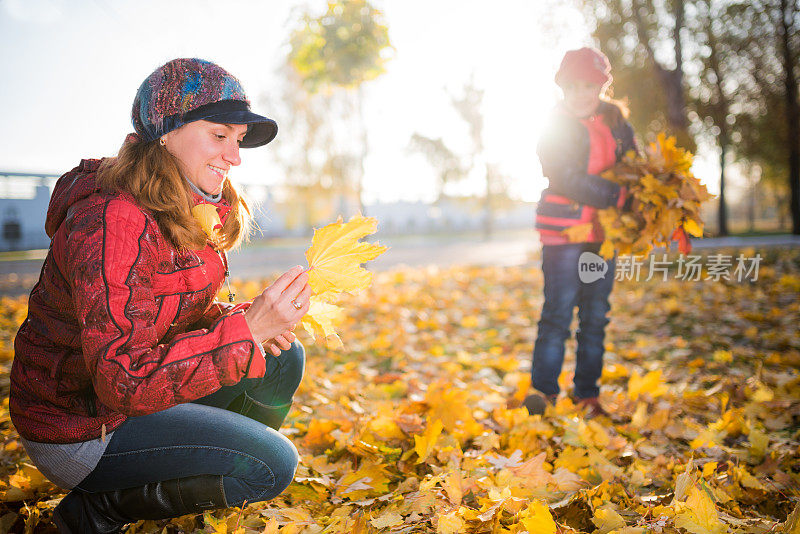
[{"x": 206, "y": 152}]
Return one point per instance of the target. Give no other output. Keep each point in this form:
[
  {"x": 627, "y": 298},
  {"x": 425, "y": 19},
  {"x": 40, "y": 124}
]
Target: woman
[
  {"x": 130, "y": 385},
  {"x": 587, "y": 135}
]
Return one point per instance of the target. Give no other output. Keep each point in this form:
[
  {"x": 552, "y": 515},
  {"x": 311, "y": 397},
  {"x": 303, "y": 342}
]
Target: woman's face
[
  {"x": 206, "y": 151},
  {"x": 581, "y": 98}
]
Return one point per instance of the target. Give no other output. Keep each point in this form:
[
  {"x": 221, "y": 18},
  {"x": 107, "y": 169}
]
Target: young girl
[
  {"x": 587, "y": 135},
  {"x": 130, "y": 385}
]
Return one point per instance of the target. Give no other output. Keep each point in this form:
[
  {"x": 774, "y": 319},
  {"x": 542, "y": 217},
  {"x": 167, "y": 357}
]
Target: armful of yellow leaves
[
  {"x": 334, "y": 266},
  {"x": 665, "y": 207}
]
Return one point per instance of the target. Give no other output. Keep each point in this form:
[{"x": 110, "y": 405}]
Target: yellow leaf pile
[
  {"x": 334, "y": 266},
  {"x": 666, "y": 202}
]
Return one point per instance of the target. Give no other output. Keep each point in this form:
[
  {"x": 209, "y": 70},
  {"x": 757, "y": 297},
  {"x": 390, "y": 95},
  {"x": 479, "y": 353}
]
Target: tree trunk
[
  {"x": 671, "y": 80},
  {"x": 780, "y": 214},
  {"x": 722, "y": 213},
  {"x": 677, "y": 99},
  {"x": 721, "y": 112},
  {"x": 792, "y": 111},
  {"x": 488, "y": 222},
  {"x": 364, "y": 149},
  {"x": 751, "y": 202}
]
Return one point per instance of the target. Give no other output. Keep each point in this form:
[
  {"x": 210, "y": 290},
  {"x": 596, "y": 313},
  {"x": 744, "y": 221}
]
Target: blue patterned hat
[{"x": 186, "y": 90}]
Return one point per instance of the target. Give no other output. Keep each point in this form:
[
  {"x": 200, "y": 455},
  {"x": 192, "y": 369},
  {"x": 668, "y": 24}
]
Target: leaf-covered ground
[{"x": 414, "y": 426}]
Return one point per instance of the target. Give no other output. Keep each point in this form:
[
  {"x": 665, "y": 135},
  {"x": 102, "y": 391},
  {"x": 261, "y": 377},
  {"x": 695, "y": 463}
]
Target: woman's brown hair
[{"x": 149, "y": 173}]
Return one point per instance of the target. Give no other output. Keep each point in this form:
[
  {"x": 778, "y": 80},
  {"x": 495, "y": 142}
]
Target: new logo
[{"x": 591, "y": 267}]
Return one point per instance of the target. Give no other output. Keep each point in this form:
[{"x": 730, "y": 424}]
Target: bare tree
[
  {"x": 447, "y": 164},
  {"x": 339, "y": 51}
]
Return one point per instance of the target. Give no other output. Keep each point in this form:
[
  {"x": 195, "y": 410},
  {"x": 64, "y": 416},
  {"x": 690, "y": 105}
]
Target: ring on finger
[{"x": 297, "y": 305}]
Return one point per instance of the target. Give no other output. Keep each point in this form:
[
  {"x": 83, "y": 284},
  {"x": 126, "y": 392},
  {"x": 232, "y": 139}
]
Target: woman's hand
[
  {"x": 273, "y": 314},
  {"x": 281, "y": 342}
]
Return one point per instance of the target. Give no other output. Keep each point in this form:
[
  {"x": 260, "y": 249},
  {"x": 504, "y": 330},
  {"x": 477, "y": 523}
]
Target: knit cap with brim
[{"x": 190, "y": 89}]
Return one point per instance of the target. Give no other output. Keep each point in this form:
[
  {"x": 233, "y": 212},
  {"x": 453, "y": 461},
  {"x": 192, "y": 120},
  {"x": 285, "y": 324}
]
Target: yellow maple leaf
[
  {"x": 370, "y": 479},
  {"x": 758, "y": 443},
  {"x": 763, "y": 394},
  {"x": 220, "y": 526},
  {"x": 387, "y": 520},
  {"x": 425, "y": 443},
  {"x": 651, "y": 383},
  {"x": 607, "y": 250},
  {"x": 334, "y": 266},
  {"x": 693, "y": 228},
  {"x": 700, "y": 516},
  {"x": 640, "y": 418},
  {"x": 660, "y": 191},
  {"x": 685, "y": 480},
  {"x": 578, "y": 233},
  {"x": 537, "y": 518},
  {"x": 452, "y": 407},
  {"x": 450, "y": 523},
  {"x": 605, "y": 468},
  {"x": 384, "y": 427},
  {"x": 572, "y": 458},
  {"x": 318, "y": 435},
  {"x": 207, "y": 216},
  {"x": 593, "y": 434},
  {"x": 453, "y": 486},
  {"x": 335, "y": 255},
  {"x": 709, "y": 468},
  {"x": 321, "y": 320},
  {"x": 708, "y": 437},
  {"x": 675, "y": 158},
  {"x": 722, "y": 356},
  {"x": 607, "y": 519},
  {"x": 747, "y": 480},
  {"x": 298, "y": 515},
  {"x": 532, "y": 471},
  {"x": 271, "y": 526}
]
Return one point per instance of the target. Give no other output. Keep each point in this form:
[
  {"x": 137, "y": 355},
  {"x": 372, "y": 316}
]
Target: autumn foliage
[
  {"x": 334, "y": 267},
  {"x": 665, "y": 207},
  {"x": 414, "y": 426}
]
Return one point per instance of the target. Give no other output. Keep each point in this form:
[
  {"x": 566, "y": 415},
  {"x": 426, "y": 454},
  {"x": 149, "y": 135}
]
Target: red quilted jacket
[{"x": 120, "y": 323}]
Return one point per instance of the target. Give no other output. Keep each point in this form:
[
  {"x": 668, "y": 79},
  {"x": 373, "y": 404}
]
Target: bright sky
[{"x": 71, "y": 69}]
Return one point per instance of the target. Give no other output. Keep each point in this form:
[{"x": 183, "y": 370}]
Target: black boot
[
  {"x": 537, "y": 404},
  {"x": 107, "y": 512},
  {"x": 272, "y": 416}
]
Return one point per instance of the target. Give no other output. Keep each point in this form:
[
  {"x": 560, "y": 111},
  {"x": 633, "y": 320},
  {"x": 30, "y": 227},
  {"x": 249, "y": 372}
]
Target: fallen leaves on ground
[{"x": 416, "y": 426}]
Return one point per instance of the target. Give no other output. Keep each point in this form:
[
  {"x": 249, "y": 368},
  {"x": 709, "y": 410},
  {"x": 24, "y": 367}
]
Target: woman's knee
[
  {"x": 275, "y": 472},
  {"x": 285, "y": 465}
]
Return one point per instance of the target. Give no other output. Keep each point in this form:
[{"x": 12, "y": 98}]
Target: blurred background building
[{"x": 23, "y": 205}]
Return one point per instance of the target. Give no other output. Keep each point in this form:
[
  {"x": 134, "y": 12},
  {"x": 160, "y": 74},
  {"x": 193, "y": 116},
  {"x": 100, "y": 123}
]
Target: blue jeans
[
  {"x": 563, "y": 290},
  {"x": 203, "y": 438}
]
